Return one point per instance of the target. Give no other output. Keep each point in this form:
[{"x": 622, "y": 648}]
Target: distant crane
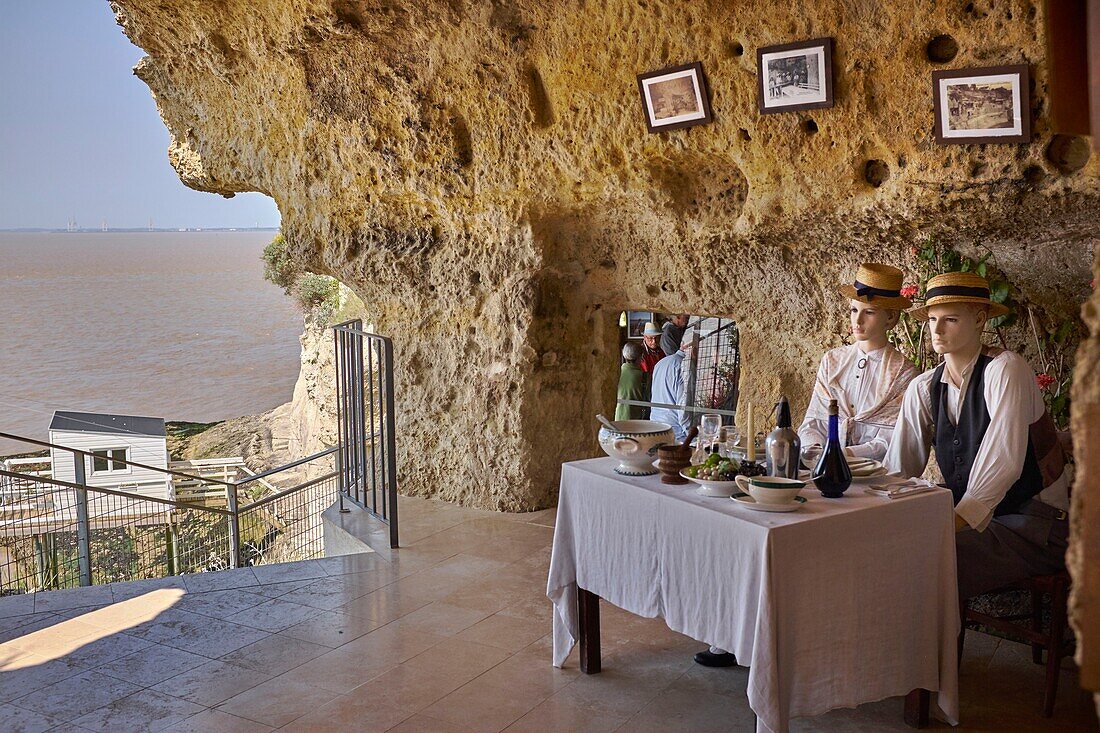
[{"x": 104, "y": 225}]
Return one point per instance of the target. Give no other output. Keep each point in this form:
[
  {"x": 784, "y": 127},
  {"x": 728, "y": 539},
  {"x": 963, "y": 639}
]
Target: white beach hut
[{"x": 112, "y": 439}]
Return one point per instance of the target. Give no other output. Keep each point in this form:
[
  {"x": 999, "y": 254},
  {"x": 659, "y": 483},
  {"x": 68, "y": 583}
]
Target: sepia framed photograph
[
  {"x": 982, "y": 105},
  {"x": 795, "y": 76},
  {"x": 635, "y": 323},
  {"x": 675, "y": 97}
]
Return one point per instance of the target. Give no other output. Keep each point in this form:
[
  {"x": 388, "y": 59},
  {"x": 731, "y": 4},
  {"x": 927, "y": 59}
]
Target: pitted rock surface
[{"x": 480, "y": 174}]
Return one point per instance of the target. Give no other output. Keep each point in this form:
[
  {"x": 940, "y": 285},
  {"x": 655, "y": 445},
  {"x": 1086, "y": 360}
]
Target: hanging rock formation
[{"x": 480, "y": 174}]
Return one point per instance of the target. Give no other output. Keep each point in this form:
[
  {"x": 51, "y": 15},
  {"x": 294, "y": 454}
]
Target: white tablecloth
[{"x": 842, "y": 602}]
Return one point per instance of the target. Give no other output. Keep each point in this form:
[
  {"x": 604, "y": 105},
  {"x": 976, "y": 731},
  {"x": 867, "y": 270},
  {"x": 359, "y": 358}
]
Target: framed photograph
[
  {"x": 674, "y": 98},
  {"x": 982, "y": 105},
  {"x": 635, "y": 323},
  {"x": 795, "y": 76}
]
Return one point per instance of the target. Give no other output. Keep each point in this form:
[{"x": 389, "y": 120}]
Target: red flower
[
  {"x": 909, "y": 291},
  {"x": 1045, "y": 381},
  {"x": 913, "y": 251}
]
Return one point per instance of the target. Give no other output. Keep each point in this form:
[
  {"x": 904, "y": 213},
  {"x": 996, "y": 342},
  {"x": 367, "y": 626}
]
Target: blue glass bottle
[{"x": 832, "y": 475}]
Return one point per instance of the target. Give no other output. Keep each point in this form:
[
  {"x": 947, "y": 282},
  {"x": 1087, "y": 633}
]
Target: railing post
[
  {"x": 234, "y": 526},
  {"x": 83, "y": 530},
  {"x": 391, "y": 442}
]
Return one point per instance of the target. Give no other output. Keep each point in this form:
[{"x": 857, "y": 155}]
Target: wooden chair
[{"x": 1053, "y": 642}]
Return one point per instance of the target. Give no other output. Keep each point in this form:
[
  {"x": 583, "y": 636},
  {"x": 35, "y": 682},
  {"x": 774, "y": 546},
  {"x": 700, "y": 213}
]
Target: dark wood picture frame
[
  {"x": 1023, "y": 84},
  {"x": 826, "y": 44},
  {"x": 700, "y": 84}
]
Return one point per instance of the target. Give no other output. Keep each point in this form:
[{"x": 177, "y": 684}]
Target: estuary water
[{"x": 179, "y": 325}]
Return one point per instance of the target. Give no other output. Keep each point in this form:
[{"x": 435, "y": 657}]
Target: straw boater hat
[
  {"x": 877, "y": 285},
  {"x": 651, "y": 329},
  {"x": 958, "y": 287}
]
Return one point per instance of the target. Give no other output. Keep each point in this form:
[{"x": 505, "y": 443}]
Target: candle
[{"x": 750, "y": 436}]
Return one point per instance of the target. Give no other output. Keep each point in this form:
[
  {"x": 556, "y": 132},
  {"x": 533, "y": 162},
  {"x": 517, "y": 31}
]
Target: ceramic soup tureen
[{"x": 633, "y": 443}]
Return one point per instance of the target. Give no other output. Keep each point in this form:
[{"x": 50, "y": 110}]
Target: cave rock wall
[{"x": 480, "y": 174}]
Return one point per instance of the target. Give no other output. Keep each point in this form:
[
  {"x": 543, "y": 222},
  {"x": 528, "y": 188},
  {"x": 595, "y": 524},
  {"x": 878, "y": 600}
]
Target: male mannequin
[{"x": 995, "y": 443}]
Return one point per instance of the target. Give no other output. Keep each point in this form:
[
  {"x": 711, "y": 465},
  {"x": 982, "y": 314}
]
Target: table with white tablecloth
[{"x": 842, "y": 602}]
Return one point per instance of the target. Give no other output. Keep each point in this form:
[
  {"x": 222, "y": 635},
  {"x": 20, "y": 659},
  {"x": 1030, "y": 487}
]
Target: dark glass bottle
[{"x": 832, "y": 475}]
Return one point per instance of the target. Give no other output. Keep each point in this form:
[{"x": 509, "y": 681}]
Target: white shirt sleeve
[
  {"x": 912, "y": 439},
  {"x": 875, "y": 448},
  {"x": 1011, "y": 397},
  {"x": 815, "y": 427}
]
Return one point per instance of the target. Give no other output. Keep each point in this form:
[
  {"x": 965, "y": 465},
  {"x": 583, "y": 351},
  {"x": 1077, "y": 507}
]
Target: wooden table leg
[
  {"x": 588, "y": 605},
  {"x": 916, "y": 708}
]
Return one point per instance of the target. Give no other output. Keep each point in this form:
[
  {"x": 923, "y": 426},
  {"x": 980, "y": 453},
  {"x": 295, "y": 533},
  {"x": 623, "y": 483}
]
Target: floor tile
[
  {"x": 699, "y": 712},
  {"x": 277, "y": 701},
  {"x": 332, "y": 628},
  {"x": 288, "y": 571},
  {"x": 106, "y": 649},
  {"x": 56, "y": 600},
  {"x": 152, "y": 665},
  {"x": 16, "y": 605},
  {"x": 554, "y": 716},
  {"x": 274, "y": 614},
  {"x": 335, "y": 591},
  {"x": 134, "y": 588},
  {"x": 145, "y": 710},
  {"x": 215, "y": 721},
  {"x": 275, "y": 590},
  {"x": 29, "y": 624},
  {"x": 442, "y": 618},
  {"x": 219, "y": 603},
  {"x": 219, "y": 580},
  {"x": 506, "y": 632},
  {"x": 356, "y": 563},
  {"x": 211, "y": 683},
  {"x": 25, "y": 671},
  {"x": 75, "y": 696},
  {"x": 275, "y": 654},
  {"x": 483, "y": 707},
  {"x": 18, "y": 720},
  {"x": 355, "y": 712}
]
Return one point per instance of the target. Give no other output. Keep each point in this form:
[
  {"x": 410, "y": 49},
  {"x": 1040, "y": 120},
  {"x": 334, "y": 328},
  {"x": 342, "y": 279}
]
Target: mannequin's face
[
  {"x": 870, "y": 323},
  {"x": 651, "y": 341},
  {"x": 955, "y": 327}
]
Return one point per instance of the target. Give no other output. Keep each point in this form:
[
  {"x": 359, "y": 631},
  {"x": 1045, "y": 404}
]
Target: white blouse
[
  {"x": 856, "y": 378},
  {"x": 1014, "y": 402}
]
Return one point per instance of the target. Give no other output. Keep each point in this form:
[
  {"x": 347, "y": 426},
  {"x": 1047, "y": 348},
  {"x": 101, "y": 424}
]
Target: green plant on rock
[
  {"x": 278, "y": 267},
  {"x": 1055, "y": 347}
]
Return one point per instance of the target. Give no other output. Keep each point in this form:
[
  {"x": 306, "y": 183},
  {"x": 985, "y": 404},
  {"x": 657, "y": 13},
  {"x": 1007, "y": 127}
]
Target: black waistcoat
[{"x": 957, "y": 445}]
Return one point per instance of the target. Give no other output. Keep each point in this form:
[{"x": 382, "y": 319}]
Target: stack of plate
[{"x": 865, "y": 468}]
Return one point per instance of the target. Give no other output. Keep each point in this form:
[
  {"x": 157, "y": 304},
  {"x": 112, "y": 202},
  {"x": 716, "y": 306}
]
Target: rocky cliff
[{"x": 480, "y": 174}]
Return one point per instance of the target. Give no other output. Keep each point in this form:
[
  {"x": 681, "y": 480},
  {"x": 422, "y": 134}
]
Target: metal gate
[{"x": 367, "y": 455}]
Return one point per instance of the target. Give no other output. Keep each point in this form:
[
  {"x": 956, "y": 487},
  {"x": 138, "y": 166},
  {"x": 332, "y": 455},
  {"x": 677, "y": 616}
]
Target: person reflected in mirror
[
  {"x": 669, "y": 387},
  {"x": 995, "y": 443},
  {"x": 868, "y": 377},
  {"x": 633, "y": 384},
  {"x": 651, "y": 348},
  {"x": 672, "y": 334}
]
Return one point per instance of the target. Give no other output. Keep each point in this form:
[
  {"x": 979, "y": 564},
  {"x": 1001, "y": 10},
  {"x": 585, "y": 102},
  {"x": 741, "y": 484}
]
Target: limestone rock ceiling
[{"x": 481, "y": 175}]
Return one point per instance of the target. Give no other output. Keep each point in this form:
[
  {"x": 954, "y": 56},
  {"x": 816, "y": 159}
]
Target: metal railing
[
  {"x": 367, "y": 456},
  {"x": 59, "y": 534}
]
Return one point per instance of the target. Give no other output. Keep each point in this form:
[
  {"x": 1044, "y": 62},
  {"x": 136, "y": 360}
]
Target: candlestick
[{"x": 750, "y": 436}]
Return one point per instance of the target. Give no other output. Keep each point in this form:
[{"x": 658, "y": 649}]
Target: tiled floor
[{"x": 451, "y": 636}]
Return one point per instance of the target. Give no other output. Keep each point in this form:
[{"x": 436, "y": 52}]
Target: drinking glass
[{"x": 708, "y": 429}]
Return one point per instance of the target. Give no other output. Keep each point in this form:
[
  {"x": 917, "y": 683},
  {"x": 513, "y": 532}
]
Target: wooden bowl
[{"x": 673, "y": 459}]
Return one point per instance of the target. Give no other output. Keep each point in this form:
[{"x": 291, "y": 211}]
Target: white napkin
[{"x": 895, "y": 488}]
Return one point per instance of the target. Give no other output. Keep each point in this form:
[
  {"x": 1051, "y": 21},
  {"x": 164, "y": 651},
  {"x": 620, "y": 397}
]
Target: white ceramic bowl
[
  {"x": 634, "y": 443},
  {"x": 770, "y": 489},
  {"x": 710, "y": 487}
]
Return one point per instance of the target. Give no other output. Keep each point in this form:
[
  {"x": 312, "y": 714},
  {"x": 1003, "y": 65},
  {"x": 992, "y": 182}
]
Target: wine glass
[{"x": 709, "y": 426}]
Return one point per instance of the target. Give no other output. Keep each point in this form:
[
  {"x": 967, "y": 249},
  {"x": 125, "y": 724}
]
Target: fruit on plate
[{"x": 716, "y": 468}]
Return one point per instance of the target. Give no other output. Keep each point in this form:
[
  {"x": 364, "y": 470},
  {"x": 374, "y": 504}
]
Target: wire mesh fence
[{"x": 58, "y": 534}]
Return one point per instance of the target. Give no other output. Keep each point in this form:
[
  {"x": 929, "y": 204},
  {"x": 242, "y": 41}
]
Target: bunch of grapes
[
  {"x": 750, "y": 469},
  {"x": 722, "y": 471}
]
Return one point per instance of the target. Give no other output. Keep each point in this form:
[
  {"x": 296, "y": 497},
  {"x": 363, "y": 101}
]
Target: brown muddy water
[{"x": 179, "y": 325}]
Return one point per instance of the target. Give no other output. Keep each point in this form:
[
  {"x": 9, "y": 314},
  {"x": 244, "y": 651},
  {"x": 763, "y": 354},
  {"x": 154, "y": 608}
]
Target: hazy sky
[{"x": 80, "y": 135}]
